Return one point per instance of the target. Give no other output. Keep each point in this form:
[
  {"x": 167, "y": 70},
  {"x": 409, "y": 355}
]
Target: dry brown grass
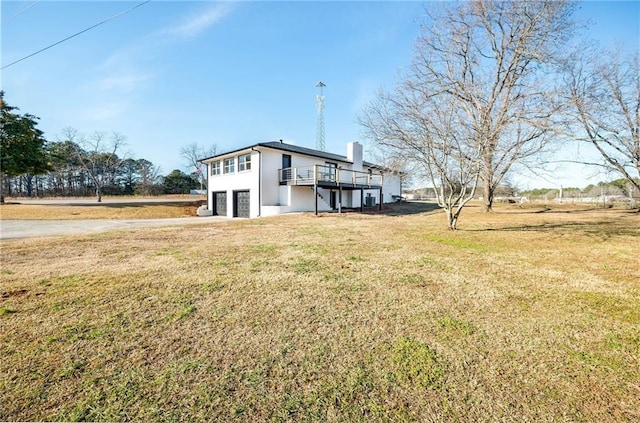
[
  {"x": 96, "y": 211},
  {"x": 519, "y": 316}
]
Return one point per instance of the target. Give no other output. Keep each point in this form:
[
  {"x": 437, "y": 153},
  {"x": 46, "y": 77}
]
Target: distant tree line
[{"x": 76, "y": 165}]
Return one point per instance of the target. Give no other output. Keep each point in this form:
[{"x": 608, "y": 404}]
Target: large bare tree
[
  {"x": 429, "y": 131},
  {"x": 495, "y": 59},
  {"x": 604, "y": 94},
  {"x": 97, "y": 155}
]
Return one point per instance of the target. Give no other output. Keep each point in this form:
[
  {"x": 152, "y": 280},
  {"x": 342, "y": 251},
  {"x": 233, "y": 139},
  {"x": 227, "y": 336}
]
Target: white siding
[{"x": 236, "y": 181}]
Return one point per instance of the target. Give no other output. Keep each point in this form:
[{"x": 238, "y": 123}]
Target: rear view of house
[{"x": 274, "y": 177}]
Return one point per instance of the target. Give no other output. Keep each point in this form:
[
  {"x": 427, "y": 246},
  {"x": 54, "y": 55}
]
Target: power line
[
  {"x": 78, "y": 33},
  {"x": 21, "y": 11}
]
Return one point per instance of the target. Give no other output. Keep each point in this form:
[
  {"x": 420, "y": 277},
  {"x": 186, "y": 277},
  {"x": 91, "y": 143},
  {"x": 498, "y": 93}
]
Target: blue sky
[{"x": 171, "y": 73}]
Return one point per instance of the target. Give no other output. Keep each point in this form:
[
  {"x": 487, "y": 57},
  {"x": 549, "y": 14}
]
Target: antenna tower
[{"x": 320, "y": 109}]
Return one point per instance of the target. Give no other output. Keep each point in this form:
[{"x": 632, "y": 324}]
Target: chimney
[{"x": 354, "y": 154}]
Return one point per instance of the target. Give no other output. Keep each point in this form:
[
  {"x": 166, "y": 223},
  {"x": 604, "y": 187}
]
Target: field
[
  {"x": 89, "y": 209},
  {"x": 522, "y": 315}
]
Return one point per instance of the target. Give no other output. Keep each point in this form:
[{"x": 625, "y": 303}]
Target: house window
[
  {"x": 229, "y": 165},
  {"x": 244, "y": 162},
  {"x": 215, "y": 168}
]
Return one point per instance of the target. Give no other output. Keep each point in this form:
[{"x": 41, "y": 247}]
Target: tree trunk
[
  {"x": 487, "y": 196},
  {"x": 452, "y": 218},
  {"x": 99, "y": 194},
  {"x": 28, "y": 184},
  {"x": 487, "y": 181}
]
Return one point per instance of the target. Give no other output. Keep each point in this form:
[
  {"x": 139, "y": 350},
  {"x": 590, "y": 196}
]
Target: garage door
[
  {"x": 241, "y": 204},
  {"x": 219, "y": 203}
]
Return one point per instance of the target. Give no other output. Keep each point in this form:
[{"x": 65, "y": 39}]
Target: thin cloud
[
  {"x": 198, "y": 23},
  {"x": 124, "y": 83}
]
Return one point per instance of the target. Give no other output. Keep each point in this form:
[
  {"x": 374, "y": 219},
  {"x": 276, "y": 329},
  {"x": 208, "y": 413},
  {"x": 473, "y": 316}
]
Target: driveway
[{"x": 15, "y": 229}]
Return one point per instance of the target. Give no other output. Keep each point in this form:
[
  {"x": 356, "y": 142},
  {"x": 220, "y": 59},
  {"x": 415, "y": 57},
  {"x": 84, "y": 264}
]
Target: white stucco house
[{"x": 272, "y": 178}]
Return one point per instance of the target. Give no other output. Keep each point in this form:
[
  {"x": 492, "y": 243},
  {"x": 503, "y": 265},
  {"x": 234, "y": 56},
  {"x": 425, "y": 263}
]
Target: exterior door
[
  {"x": 220, "y": 203},
  {"x": 241, "y": 204},
  {"x": 286, "y": 169},
  {"x": 330, "y": 171}
]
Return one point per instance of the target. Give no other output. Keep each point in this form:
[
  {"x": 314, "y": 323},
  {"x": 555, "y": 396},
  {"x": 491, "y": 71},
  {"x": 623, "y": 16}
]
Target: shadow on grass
[
  {"x": 404, "y": 208},
  {"x": 391, "y": 209},
  {"x": 602, "y": 229},
  {"x": 570, "y": 209}
]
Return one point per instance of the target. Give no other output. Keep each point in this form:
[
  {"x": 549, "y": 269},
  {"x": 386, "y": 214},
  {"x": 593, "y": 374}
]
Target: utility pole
[{"x": 320, "y": 111}]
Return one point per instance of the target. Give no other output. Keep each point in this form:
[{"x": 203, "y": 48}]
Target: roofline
[
  {"x": 269, "y": 144},
  {"x": 228, "y": 152},
  {"x": 337, "y": 157}
]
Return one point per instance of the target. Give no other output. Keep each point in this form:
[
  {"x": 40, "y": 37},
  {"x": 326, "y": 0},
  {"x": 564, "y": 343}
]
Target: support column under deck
[{"x": 315, "y": 194}]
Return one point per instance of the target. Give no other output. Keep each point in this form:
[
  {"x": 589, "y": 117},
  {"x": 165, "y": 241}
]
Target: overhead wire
[
  {"x": 21, "y": 11},
  {"x": 124, "y": 12}
]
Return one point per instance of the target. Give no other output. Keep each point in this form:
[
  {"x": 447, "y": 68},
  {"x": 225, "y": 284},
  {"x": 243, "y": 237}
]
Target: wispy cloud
[
  {"x": 197, "y": 23},
  {"x": 126, "y": 74},
  {"x": 124, "y": 83}
]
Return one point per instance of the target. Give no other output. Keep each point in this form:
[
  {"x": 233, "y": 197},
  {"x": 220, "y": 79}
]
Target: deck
[{"x": 329, "y": 177}]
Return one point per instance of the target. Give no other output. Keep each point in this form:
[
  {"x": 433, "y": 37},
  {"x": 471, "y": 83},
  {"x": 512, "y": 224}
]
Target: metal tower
[{"x": 320, "y": 109}]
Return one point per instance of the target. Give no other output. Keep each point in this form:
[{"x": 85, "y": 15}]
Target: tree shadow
[
  {"x": 603, "y": 229},
  {"x": 404, "y": 208}
]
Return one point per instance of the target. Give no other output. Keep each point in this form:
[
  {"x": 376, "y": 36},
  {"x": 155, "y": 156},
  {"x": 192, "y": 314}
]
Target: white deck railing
[{"x": 321, "y": 174}]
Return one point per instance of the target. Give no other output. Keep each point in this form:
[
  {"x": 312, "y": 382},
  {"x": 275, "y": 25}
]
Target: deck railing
[{"x": 321, "y": 174}]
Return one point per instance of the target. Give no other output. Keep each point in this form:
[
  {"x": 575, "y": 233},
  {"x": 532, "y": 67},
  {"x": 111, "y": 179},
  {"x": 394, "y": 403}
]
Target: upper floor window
[
  {"x": 244, "y": 162},
  {"x": 215, "y": 168},
  {"x": 229, "y": 165}
]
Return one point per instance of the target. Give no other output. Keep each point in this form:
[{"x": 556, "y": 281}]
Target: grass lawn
[
  {"x": 521, "y": 315},
  {"x": 98, "y": 211}
]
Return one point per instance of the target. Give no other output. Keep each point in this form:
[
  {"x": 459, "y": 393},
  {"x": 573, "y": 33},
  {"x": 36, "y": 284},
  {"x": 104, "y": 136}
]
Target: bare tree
[
  {"x": 193, "y": 153},
  {"x": 605, "y": 110},
  {"x": 428, "y": 131},
  {"x": 494, "y": 58},
  {"x": 97, "y": 155}
]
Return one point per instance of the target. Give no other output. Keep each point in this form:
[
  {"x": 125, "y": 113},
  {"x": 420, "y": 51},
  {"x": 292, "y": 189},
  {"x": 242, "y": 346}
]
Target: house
[{"x": 272, "y": 178}]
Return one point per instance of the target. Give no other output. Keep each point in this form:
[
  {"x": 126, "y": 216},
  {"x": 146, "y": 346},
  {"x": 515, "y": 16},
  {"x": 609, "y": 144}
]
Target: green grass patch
[
  {"x": 4, "y": 310},
  {"x": 418, "y": 364},
  {"x": 449, "y": 323},
  {"x": 304, "y": 266}
]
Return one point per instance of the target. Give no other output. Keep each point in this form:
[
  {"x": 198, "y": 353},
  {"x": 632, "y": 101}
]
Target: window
[
  {"x": 215, "y": 168},
  {"x": 244, "y": 162},
  {"x": 229, "y": 165}
]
